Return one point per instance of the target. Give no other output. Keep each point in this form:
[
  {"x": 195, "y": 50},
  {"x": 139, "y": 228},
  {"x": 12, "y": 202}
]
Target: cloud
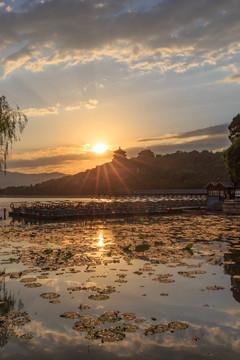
[
  {"x": 164, "y": 35},
  {"x": 60, "y": 157},
  {"x": 212, "y": 138},
  {"x": 49, "y": 110},
  {"x": 233, "y": 78},
  {"x": 90, "y": 105},
  {"x": 215, "y": 130}
]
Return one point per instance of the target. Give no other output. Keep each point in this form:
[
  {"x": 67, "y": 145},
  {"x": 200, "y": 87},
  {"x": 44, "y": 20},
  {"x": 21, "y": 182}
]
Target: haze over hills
[
  {"x": 145, "y": 172},
  {"x": 19, "y": 179}
]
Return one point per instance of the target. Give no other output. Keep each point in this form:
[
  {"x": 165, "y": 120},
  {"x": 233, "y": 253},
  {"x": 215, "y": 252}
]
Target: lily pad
[
  {"x": 50, "y": 295},
  {"x": 215, "y": 287},
  {"x": 111, "y": 334},
  {"x": 33, "y": 285},
  {"x": 110, "y": 317},
  {"x": 178, "y": 325},
  {"x": 98, "y": 297},
  {"x": 84, "y": 306},
  {"x": 156, "y": 329},
  {"x": 85, "y": 323},
  {"x": 28, "y": 280},
  {"x": 26, "y": 336},
  {"x": 128, "y": 316},
  {"x": 70, "y": 315}
]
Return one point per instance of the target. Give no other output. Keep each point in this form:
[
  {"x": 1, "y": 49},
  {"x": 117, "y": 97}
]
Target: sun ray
[
  {"x": 107, "y": 177},
  {"x": 119, "y": 177},
  {"x": 84, "y": 180},
  {"x": 97, "y": 180}
]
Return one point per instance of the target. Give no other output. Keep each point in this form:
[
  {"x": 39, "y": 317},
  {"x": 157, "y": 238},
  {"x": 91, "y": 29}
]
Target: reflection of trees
[
  {"x": 233, "y": 269},
  {"x": 7, "y": 304}
]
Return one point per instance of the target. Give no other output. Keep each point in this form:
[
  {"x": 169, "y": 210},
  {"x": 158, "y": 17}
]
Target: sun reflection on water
[{"x": 100, "y": 241}]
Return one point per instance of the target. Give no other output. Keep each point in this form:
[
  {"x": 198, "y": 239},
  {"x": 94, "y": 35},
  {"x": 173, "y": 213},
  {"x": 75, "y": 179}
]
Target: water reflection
[
  {"x": 232, "y": 267},
  {"x": 100, "y": 241},
  {"x": 7, "y": 304}
]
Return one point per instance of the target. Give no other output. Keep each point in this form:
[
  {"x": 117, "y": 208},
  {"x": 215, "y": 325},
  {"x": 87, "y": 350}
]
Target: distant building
[
  {"x": 221, "y": 190},
  {"x": 119, "y": 155}
]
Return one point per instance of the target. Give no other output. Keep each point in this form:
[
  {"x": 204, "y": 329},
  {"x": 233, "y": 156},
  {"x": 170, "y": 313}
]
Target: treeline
[{"x": 180, "y": 170}]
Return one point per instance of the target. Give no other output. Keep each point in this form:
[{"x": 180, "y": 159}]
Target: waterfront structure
[{"x": 221, "y": 190}]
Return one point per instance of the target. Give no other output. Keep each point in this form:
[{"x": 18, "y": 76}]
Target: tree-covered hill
[{"x": 171, "y": 171}]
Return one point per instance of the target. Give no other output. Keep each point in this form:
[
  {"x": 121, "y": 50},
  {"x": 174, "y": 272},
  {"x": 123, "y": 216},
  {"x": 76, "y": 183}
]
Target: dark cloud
[
  {"x": 59, "y": 29},
  {"x": 232, "y": 78},
  {"x": 211, "y": 144},
  {"x": 57, "y": 160},
  {"x": 214, "y": 130}
]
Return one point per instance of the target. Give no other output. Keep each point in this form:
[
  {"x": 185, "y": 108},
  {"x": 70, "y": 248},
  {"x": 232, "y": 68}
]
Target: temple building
[{"x": 119, "y": 155}]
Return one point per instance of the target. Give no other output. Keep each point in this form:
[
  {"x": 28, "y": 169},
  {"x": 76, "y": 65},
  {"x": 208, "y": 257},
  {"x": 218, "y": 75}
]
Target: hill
[
  {"x": 18, "y": 179},
  {"x": 171, "y": 171}
]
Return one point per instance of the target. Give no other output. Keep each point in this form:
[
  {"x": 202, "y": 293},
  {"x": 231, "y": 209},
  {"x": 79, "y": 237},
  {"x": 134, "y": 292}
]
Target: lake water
[{"x": 147, "y": 288}]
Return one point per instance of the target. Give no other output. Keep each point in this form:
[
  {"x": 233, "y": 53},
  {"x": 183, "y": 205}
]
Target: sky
[{"x": 140, "y": 74}]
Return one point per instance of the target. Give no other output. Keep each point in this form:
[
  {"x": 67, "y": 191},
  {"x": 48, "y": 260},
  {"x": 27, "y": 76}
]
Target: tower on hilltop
[{"x": 119, "y": 154}]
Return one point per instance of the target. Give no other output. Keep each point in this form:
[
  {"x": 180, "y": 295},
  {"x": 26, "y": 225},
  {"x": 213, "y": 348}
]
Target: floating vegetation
[
  {"x": 84, "y": 307},
  {"x": 128, "y": 316},
  {"x": 215, "y": 287},
  {"x": 85, "y": 323},
  {"x": 20, "y": 318},
  {"x": 28, "y": 280},
  {"x": 98, "y": 297},
  {"x": 126, "y": 247},
  {"x": 191, "y": 274},
  {"x": 75, "y": 288},
  {"x": 110, "y": 317},
  {"x": 26, "y": 336},
  {"x": 129, "y": 328},
  {"x": 148, "y": 251},
  {"x": 50, "y": 295},
  {"x": 142, "y": 247},
  {"x": 108, "y": 290},
  {"x": 33, "y": 285},
  {"x": 138, "y": 272},
  {"x": 70, "y": 315},
  {"x": 137, "y": 321},
  {"x": 111, "y": 334},
  {"x": 178, "y": 325},
  {"x": 17, "y": 314},
  {"x": 164, "y": 278},
  {"x": 156, "y": 329},
  {"x": 55, "y": 301},
  {"x": 121, "y": 281},
  {"x": 158, "y": 243},
  {"x": 47, "y": 251}
]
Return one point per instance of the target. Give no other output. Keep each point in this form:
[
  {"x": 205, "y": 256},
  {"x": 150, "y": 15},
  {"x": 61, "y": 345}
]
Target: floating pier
[{"x": 67, "y": 210}]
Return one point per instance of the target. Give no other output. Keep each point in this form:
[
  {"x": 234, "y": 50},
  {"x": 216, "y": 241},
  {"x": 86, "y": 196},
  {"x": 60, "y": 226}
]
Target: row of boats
[{"x": 76, "y": 209}]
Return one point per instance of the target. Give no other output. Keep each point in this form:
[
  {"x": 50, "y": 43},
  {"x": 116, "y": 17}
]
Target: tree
[
  {"x": 234, "y": 128},
  {"x": 146, "y": 155},
  {"x": 231, "y": 157},
  {"x": 12, "y": 123}
]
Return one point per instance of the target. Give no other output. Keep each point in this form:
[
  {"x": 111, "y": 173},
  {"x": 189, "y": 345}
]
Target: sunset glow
[
  {"x": 122, "y": 76},
  {"x": 99, "y": 148}
]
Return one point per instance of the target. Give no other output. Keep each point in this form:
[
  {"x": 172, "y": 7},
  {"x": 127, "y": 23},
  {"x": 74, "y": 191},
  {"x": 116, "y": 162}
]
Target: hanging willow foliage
[{"x": 12, "y": 124}]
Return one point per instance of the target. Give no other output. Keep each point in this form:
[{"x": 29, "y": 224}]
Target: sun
[{"x": 99, "y": 148}]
